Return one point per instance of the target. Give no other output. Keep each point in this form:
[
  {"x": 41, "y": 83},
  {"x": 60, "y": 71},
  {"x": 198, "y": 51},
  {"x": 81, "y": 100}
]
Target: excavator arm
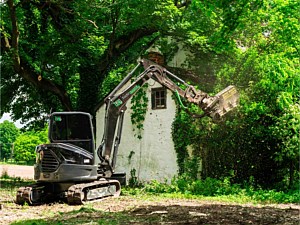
[{"x": 212, "y": 106}]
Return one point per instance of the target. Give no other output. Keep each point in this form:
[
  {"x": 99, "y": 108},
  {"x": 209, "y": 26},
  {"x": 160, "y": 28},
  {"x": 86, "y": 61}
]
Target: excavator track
[
  {"x": 76, "y": 194},
  {"x": 79, "y": 194},
  {"x": 33, "y": 194}
]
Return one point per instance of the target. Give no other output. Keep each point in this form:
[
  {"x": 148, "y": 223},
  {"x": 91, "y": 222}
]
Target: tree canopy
[
  {"x": 55, "y": 54},
  {"x": 261, "y": 142}
]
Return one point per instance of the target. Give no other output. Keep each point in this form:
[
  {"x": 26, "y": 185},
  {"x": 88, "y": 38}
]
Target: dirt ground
[
  {"x": 149, "y": 210},
  {"x": 153, "y": 211}
]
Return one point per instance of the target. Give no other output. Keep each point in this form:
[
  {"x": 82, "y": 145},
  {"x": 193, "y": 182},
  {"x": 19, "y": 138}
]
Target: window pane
[
  {"x": 158, "y": 98},
  {"x": 157, "y": 94},
  {"x": 162, "y": 94}
]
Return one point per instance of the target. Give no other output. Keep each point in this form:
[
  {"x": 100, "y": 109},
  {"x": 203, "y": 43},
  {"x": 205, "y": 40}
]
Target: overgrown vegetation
[
  {"x": 139, "y": 103},
  {"x": 215, "y": 189},
  {"x": 260, "y": 140},
  {"x": 183, "y": 188}
]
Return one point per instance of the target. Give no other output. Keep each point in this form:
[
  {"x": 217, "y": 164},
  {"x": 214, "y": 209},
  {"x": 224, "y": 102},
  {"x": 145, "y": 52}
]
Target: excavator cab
[
  {"x": 70, "y": 154},
  {"x": 66, "y": 167},
  {"x": 73, "y": 128}
]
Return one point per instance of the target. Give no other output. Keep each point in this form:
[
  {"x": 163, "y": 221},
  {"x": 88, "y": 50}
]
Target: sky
[{"x": 6, "y": 116}]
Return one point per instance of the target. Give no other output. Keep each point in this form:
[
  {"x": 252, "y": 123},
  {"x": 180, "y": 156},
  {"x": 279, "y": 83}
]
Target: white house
[{"x": 153, "y": 156}]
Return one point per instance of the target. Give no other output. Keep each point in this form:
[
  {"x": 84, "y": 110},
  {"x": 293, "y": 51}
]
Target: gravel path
[{"x": 25, "y": 172}]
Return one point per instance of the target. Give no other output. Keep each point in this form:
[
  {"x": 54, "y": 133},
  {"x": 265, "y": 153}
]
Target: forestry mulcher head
[{"x": 222, "y": 103}]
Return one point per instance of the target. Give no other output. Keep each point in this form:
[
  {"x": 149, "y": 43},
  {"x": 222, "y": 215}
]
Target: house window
[{"x": 159, "y": 98}]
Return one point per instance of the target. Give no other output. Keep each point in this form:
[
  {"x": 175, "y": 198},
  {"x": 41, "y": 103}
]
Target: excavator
[{"x": 70, "y": 168}]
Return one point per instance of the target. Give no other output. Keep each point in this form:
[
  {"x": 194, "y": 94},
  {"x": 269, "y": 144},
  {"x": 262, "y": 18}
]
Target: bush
[
  {"x": 273, "y": 196},
  {"x": 158, "y": 187},
  {"x": 26, "y": 143}
]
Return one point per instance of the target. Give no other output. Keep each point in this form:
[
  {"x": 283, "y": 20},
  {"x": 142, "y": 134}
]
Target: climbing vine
[
  {"x": 181, "y": 128},
  {"x": 139, "y": 103}
]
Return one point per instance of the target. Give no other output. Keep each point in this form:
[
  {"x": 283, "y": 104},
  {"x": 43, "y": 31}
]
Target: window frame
[{"x": 154, "y": 98}]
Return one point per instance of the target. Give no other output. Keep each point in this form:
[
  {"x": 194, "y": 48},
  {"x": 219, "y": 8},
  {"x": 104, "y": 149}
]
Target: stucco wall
[{"x": 153, "y": 157}]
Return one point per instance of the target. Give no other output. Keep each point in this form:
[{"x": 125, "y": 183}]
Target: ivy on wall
[
  {"x": 139, "y": 104},
  {"x": 181, "y": 128}
]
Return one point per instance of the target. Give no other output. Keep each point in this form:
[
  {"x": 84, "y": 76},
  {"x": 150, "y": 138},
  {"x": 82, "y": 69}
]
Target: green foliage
[
  {"x": 273, "y": 196},
  {"x": 26, "y": 143},
  {"x": 182, "y": 133},
  {"x": 4, "y": 175},
  {"x": 287, "y": 129},
  {"x": 81, "y": 49},
  {"x": 133, "y": 180},
  {"x": 112, "y": 80},
  {"x": 72, "y": 47},
  {"x": 260, "y": 140},
  {"x": 8, "y": 135},
  {"x": 139, "y": 104},
  {"x": 217, "y": 188}
]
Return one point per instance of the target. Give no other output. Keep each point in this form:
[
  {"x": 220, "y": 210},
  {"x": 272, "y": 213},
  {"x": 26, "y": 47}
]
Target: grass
[
  {"x": 14, "y": 162},
  {"x": 91, "y": 216},
  {"x": 209, "y": 189},
  {"x": 9, "y": 186}
]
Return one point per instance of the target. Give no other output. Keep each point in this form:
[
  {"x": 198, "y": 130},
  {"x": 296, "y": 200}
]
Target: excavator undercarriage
[{"x": 73, "y": 194}]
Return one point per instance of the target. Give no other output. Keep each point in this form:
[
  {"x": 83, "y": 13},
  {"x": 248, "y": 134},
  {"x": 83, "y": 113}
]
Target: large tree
[{"x": 55, "y": 54}]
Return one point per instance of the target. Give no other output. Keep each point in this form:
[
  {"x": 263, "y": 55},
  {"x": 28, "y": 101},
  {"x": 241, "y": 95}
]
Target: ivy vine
[
  {"x": 181, "y": 137},
  {"x": 139, "y": 104}
]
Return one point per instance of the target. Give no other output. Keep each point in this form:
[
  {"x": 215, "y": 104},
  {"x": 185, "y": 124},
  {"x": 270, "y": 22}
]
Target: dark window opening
[{"x": 159, "y": 98}]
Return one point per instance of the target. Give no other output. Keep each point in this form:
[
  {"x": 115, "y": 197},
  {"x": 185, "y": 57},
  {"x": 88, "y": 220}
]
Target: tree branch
[
  {"x": 124, "y": 42},
  {"x": 46, "y": 85},
  {"x": 15, "y": 35},
  {"x": 23, "y": 69}
]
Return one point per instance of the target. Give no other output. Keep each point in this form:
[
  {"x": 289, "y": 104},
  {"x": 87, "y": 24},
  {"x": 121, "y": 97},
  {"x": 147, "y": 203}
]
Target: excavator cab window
[{"x": 72, "y": 128}]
